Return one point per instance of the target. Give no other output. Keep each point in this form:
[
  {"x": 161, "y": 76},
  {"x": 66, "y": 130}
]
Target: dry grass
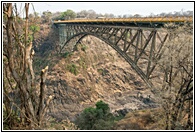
[{"x": 149, "y": 119}]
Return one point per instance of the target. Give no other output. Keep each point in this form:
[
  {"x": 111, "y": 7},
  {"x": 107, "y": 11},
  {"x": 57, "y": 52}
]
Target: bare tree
[
  {"x": 177, "y": 88},
  {"x": 83, "y": 13},
  {"x": 107, "y": 15},
  {"x": 137, "y": 15},
  {"x": 23, "y": 97},
  {"x": 91, "y": 14}
]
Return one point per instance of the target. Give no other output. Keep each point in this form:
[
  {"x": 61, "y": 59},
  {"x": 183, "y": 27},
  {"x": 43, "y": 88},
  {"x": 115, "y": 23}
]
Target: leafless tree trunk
[
  {"x": 177, "y": 89},
  {"x": 19, "y": 77}
]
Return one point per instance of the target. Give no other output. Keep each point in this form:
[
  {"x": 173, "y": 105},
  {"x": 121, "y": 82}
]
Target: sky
[{"x": 116, "y": 8}]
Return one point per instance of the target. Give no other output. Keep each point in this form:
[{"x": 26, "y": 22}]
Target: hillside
[
  {"x": 148, "y": 119},
  {"x": 80, "y": 76},
  {"x": 93, "y": 72}
]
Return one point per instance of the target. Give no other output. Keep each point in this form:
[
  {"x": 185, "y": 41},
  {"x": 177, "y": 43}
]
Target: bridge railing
[{"x": 141, "y": 19}]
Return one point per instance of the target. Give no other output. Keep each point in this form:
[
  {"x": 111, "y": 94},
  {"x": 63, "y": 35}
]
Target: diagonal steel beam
[
  {"x": 125, "y": 40},
  {"x": 151, "y": 54},
  {"x": 122, "y": 35},
  {"x": 112, "y": 33},
  {"x": 132, "y": 40},
  {"x": 137, "y": 43},
  {"x": 115, "y": 34},
  {"x": 146, "y": 43},
  {"x": 162, "y": 42},
  {"x": 130, "y": 61},
  {"x": 158, "y": 56}
]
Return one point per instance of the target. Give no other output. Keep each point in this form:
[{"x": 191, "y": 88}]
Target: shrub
[
  {"x": 72, "y": 68},
  {"x": 98, "y": 118},
  {"x": 103, "y": 107},
  {"x": 66, "y": 54},
  {"x": 83, "y": 47},
  {"x": 82, "y": 63}
]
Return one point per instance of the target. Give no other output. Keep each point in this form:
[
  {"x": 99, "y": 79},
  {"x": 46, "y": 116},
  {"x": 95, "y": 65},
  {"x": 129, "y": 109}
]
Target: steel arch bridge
[{"x": 139, "y": 41}]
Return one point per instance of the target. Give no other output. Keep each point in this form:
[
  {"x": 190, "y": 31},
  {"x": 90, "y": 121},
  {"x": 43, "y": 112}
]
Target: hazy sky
[{"x": 117, "y": 8}]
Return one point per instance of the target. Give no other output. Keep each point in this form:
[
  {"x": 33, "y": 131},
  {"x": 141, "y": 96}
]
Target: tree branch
[{"x": 42, "y": 94}]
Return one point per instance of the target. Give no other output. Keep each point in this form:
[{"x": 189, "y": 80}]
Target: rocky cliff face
[{"x": 94, "y": 72}]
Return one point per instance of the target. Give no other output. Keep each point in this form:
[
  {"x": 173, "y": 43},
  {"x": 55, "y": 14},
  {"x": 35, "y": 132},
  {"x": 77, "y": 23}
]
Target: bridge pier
[{"x": 63, "y": 34}]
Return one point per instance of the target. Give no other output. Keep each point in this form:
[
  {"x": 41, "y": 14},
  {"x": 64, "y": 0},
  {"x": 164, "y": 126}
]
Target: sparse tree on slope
[
  {"x": 25, "y": 102},
  {"x": 177, "y": 87}
]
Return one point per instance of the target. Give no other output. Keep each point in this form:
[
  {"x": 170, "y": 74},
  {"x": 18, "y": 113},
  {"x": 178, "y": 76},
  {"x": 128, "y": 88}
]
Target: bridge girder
[{"x": 140, "y": 47}]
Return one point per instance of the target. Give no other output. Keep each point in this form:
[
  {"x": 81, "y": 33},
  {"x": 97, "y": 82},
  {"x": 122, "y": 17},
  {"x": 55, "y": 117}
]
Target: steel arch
[
  {"x": 127, "y": 58},
  {"x": 125, "y": 39}
]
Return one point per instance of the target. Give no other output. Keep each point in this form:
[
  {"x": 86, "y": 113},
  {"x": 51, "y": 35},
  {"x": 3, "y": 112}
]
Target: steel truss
[{"x": 140, "y": 47}]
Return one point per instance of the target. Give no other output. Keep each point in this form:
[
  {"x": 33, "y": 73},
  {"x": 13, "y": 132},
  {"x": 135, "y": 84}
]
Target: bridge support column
[{"x": 64, "y": 34}]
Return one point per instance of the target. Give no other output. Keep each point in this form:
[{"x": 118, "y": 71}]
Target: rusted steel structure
[{"x": 139, "y": 41}]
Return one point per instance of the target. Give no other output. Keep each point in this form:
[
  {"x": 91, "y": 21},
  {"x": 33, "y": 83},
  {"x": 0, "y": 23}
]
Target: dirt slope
[{"x": 94, "y": 72}]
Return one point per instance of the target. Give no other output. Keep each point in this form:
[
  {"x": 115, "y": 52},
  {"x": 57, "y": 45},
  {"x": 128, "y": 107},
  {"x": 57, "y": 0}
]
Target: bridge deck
[{"x": 128, "y": 21}]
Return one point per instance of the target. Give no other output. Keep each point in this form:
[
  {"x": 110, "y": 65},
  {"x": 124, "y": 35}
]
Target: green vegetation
[
  {"x": 69, "y": 14},
  {"x": 72, "y": 68},
  {"x": 12, "y": 116},
  {"x": 98, "y": 118},
  {"x": 82, "y": 63},
  {"x": 66, "y": 54},
  {"x": 34, "y": 28},
  {"x": 83, "y": 47}
]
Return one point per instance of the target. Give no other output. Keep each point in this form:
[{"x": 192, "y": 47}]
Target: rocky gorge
[{"x": 94, "y": 72}]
